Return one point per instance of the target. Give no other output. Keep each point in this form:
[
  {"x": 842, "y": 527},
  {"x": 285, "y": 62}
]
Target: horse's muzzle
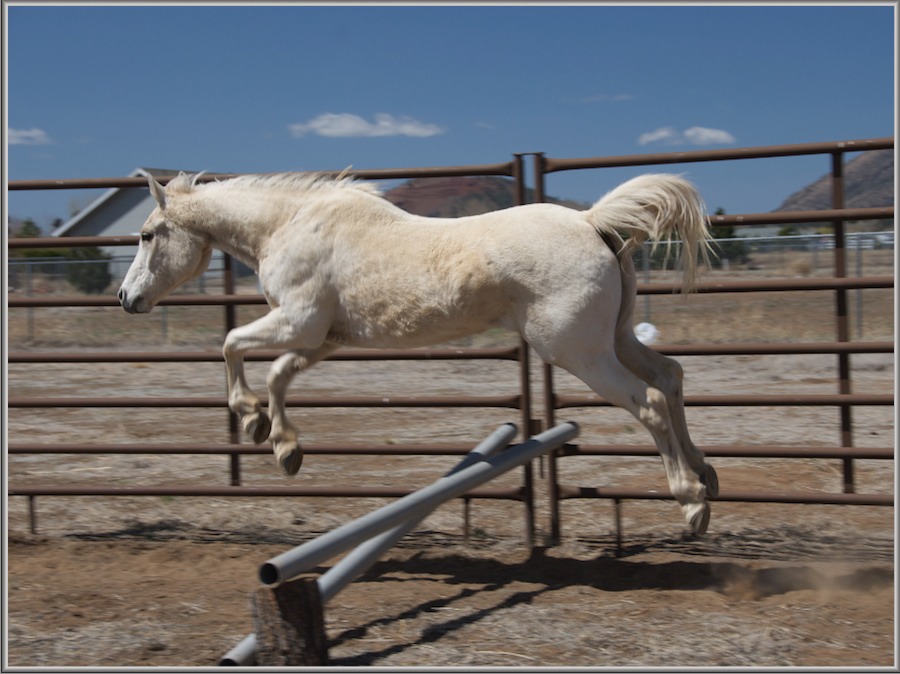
[{"x": 129, "y": 304}]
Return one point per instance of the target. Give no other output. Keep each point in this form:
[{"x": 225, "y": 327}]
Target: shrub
[{"x": 89, "y": 271}]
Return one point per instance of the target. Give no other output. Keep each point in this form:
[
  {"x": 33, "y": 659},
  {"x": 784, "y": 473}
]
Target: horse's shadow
[{"x": 606, "y": 573}]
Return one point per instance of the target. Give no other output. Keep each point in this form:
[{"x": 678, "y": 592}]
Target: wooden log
[{"x": 290, "y": 624}]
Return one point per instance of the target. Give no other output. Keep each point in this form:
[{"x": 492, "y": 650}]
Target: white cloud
[
  {"x": 664, "y": 134},
  {"x": 28, "y": 137},
  {"x": 696, "y": 135},
  {"x": 699, "y": 135},
  {"x": 345, "y": 125}
]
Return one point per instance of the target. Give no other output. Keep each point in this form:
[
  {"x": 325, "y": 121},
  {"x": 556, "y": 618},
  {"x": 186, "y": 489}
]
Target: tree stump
[{"x": 290, "y": 624}]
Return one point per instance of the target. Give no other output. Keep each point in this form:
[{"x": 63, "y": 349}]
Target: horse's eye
[{"x": 146, "y": 236}]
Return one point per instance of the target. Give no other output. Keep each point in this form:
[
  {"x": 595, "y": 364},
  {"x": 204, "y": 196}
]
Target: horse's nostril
[{"x": 121, "y": 294}]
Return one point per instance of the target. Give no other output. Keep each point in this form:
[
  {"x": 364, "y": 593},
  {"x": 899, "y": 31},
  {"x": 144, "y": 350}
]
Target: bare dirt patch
[
  {"x": 173, "y": 595},
  {"x": 147, "y": 581}
]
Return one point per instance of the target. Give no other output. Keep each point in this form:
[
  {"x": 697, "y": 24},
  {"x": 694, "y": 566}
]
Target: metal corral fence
[{"x": 843, "y": 400}]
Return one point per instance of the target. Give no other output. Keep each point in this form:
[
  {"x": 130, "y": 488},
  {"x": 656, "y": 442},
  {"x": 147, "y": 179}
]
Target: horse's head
[{"x": 169, "y": 255}]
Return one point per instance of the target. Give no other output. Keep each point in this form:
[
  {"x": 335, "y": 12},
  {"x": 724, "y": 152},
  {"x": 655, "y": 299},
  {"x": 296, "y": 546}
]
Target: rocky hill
[
  {"x": 460, "y": 196},
  {"x": 868, "y": 183}
]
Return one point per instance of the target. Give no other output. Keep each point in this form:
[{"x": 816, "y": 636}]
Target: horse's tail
[{"x": 661, "y": 208}]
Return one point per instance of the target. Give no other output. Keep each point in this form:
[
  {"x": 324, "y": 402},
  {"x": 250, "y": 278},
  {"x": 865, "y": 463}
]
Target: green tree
[
  {"x": 89, "y": 269},
  {"x": 29, "y": 230}
]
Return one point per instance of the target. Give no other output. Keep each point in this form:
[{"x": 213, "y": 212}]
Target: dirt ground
[{"x": 165, "y": 581}]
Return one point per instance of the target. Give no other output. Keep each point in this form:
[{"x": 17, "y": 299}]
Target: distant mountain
[
  {"x": 868, "y": 183},
  {"x": 456, "y": 197}
]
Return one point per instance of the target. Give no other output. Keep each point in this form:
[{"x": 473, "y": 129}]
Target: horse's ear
[{"x": 158, "y": 192}]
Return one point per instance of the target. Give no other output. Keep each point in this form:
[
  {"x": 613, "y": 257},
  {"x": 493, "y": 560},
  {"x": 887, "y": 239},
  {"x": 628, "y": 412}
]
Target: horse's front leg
[
  {"x": 241, "y": 399},
  {"x": 271, "y": 331},
  {"x": 285, "y": 444}
]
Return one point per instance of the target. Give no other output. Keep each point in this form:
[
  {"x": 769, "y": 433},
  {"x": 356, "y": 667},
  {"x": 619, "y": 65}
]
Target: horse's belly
[{"x": 387, "y": 321}]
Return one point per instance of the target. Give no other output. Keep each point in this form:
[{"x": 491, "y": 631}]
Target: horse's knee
[{"x": 230, "y": 346}]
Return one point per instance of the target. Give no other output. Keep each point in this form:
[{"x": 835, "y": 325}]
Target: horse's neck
[
  {"x": 241, "y": 222},
  {"x": 234, "y": 224}
]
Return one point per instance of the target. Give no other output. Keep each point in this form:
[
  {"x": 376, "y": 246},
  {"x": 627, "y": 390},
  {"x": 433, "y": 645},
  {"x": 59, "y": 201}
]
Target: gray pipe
[
  {"x": 355, "y": 563},
  {"x": 418, "y": 504},
  {"x": 244, "y": 654},
  {"x": 363, "y": 556},
  {"x": 379, "y": 530},
  {"x": 366, "y": 554}
]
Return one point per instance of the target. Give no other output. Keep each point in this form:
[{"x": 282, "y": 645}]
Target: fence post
[
  {"x": 859, "y": 292},
  {"x": 528, "y": 423},
  {"x": 540, "y": 169},
  {"x": 32, "y": 514},
  {"x": 843, "y": 329},
  {"x": 234, "y": 432},
  {"x": 29, "y": 290}
]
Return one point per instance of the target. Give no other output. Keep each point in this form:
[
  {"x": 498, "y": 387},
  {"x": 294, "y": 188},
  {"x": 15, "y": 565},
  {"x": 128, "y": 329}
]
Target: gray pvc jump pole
[
  {"x": 366, "y": 554},
  {"x": 336, "y": 578},
  {"x": 363, "y": 556},
  {"x": 418, "y": 504},
  {"x": 242, "y": 655}
]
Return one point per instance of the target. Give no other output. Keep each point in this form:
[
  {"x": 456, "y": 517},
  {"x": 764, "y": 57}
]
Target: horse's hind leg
[
  {"x": 660, "y": 372},
  {"x": 666, "y": 374},
  {"x": 287, "y": 448},
  {"x": 608, "y": 377}
]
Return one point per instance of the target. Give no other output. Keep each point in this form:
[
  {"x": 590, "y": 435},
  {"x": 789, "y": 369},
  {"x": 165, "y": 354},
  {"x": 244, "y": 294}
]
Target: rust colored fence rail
[{"x": 843, "y": 400}]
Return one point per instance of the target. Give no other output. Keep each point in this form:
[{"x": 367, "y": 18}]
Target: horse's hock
[{"x": 535, "y": 397}]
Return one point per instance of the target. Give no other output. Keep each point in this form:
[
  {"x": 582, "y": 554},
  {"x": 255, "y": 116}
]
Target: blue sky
[{"x": 96, "y": 91}]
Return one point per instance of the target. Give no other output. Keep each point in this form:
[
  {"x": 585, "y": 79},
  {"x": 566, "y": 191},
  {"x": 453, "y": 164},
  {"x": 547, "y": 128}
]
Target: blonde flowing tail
[{"x": 660, "y": 208}]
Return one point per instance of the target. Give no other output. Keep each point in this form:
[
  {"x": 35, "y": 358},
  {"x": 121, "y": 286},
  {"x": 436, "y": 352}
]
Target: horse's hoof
[
  {"x": 711, "y": 481},
  {"x": 258, "y": 427},
  {"x": 697, "y": 516},
  {"x": 291, "y": 461}
]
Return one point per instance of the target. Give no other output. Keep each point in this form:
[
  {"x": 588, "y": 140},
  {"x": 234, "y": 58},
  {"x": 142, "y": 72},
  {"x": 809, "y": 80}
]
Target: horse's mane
[{"x": 282, "y": 182}]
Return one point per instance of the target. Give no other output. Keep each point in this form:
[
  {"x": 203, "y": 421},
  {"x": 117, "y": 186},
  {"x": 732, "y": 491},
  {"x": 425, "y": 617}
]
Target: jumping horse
[{"x": 341, "y": 266}]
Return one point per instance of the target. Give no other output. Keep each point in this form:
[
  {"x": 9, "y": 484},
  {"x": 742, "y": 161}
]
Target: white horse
[{"x": 340, "y": 265}]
